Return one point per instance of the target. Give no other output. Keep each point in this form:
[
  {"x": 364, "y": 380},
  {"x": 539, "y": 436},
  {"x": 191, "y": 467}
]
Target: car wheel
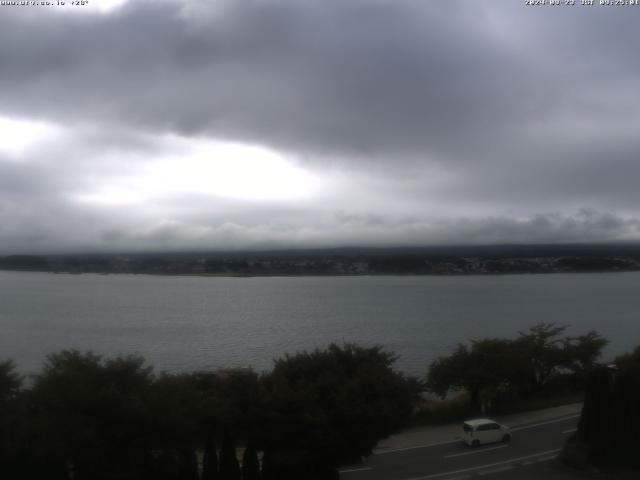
[
  {"x": 506, "y": 438},
  {"x": 475, "y": 443}
]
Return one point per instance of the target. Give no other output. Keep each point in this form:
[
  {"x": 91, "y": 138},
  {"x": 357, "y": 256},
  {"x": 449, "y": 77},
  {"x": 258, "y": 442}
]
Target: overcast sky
[{"x": 217, "y": 124}]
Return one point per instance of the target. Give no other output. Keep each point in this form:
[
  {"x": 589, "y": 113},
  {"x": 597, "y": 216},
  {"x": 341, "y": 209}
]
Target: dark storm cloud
[
  {"x": 364, "y": 77},
  {"x": 447, "y": 121}
]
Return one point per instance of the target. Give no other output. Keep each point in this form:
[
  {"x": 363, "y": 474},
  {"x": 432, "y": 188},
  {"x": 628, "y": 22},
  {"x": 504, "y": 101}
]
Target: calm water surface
[{"x": 182, "y": 323}]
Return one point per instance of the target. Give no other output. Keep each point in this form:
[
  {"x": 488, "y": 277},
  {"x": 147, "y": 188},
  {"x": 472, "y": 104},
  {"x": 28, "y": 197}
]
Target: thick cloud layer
[{"x": 259, "y": 124}]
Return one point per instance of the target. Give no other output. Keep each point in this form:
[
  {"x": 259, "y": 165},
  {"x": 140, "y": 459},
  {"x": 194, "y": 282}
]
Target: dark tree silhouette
[
  {"x": 188, "y": 465},
  {"x": 229, "y": 466},
  {"x": 250, "y": 464},
  {"x": 210, "y": 460},
  {"x": 486, "y": 364},
  {"x": 10, "y": 381},
  {"x": 609, "y": 426},
  {"x": 90, "y": 413},
  {"x": 524, "y": 367},
  {"x": 13, "y": 441},
  {"x": 332, "y": 406},
  {"x": 95, "y": 418}
]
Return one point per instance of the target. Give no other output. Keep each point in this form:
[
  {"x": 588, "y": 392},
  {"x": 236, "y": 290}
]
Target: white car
[{"x": 484, "y": 430}]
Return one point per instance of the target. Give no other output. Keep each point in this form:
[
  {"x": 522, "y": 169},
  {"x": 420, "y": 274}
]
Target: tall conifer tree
[
  {"x": 250, "y": 464},
  {"x": 210, "y": 460},
  {"x": 229, "y": 466}
]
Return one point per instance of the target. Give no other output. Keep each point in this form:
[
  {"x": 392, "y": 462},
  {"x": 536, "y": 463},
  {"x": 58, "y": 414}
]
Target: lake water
[{"x": 183, "y": 323}]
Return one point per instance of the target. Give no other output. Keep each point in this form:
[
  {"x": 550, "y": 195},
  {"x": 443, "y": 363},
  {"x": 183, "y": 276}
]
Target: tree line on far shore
[{"x": 88, "y": 417}]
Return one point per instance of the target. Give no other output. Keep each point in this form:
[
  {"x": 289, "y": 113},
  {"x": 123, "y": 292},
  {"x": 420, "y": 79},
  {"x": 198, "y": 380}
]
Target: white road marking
[
  {"x": 350, "y": 470},
  {"x": 571, "y": 430},
  {"x": 496, "y": 470},
  {"x": 416, "y": 447},
  {"x": 515, "y": 429},
  {"x": 475, "y": 451},
  {"x": 480, "y": 467},
  {"x": 546, "y": 459}
]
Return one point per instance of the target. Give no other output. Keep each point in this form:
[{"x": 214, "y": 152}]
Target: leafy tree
[
  {"x": 449, "y": 372},
  {"x": 544, "y": 351},
  {"x": 488, "y": 364},
  {"x": 232, "y": 400},
  {"x": 583, "y": 351},
  {"x": 10, "y": 381},
  {"x": 493, "y": 367},
  {"x": 331, "y": 406},
  {"x": 175, "y": 407},
  {"x": 175, "y": 430},
  {"x": 90, "y": 413}
]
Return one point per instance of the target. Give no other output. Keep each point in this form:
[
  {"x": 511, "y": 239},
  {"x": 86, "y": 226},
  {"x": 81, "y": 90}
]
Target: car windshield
[{"x": 466, "y": 427}]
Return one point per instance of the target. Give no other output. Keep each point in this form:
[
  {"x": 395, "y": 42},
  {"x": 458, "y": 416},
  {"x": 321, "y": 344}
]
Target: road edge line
[
  {"x": 472, "y": 452},
  {"x": 547, "y": 422},
  {"x": 488, "y": 465},
  {"x": 359, "y": 469}
]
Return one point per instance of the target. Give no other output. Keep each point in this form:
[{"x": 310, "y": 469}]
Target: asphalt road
[{"x": 535, "y": 443}]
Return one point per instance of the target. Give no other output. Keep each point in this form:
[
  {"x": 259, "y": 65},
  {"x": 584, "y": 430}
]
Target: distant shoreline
[
  {"x": 291, "y": 275},
  {"x": 441, "y": 261}
]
